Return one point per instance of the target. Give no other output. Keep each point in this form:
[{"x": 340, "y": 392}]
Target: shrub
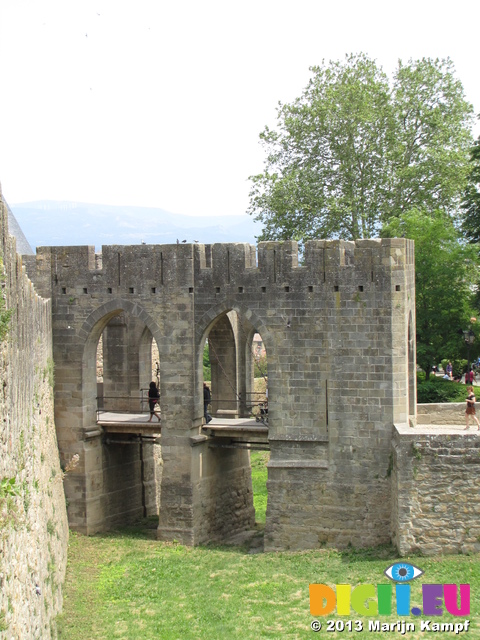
[{"x": 439, "y": 390}]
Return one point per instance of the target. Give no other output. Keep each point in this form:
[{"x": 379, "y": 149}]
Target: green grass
[
  {"x": 258, "y": 461},
  {"x": 128, "y": 586}
]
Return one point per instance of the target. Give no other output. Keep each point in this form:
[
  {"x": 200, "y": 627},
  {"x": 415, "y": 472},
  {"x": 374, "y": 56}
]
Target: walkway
[{"x": 224, "y": 432}]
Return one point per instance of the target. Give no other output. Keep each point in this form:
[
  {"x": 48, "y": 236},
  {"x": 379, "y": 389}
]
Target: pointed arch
[{"x": 90, "y": 332}]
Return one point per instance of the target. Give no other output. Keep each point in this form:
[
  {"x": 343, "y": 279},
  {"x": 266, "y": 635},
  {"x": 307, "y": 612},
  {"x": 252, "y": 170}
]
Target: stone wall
[
  {"x": 33, "y": 521},
  {"x": 446, "y": 413},
  {"x": 339, "y": 330},
  {"x": 436, "y": 498}
]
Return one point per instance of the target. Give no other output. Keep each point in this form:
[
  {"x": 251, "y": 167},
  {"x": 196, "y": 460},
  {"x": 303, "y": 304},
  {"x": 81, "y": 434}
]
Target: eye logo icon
[{"x": 402, "y": 572}]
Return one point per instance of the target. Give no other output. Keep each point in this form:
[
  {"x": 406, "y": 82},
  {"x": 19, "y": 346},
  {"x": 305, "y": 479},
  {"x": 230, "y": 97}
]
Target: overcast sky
[{"x": 156, "y": 103}]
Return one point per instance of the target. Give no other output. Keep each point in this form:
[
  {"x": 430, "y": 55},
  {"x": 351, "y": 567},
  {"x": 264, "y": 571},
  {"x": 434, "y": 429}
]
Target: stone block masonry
[
  {"x": 339, "y": 333},
  {"x": 436, "y": 507},
  {"x": 33, "y": 520}
]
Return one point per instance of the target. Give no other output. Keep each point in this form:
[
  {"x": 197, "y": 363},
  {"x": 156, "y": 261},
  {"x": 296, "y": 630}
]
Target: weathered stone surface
[
  {"x": 436, "y": 505},
  {"x": 33, "y": 524},
  {"x": 339, "y": 333}
]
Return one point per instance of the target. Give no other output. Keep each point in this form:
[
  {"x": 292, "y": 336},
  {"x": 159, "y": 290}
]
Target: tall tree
[
  {"x": 445, "y": 269},
  {"x": 432, "y": 137},
  {"x": 471, "y": 199},
  {"x": 351, "y": 152}
]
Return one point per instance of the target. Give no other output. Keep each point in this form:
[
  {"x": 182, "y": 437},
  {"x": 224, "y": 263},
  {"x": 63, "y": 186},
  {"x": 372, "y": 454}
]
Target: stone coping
[{"x": 436, "y": 429}]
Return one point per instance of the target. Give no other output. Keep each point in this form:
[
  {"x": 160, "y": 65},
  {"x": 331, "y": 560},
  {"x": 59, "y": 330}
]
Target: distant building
[{"x": 258, "y": 346}]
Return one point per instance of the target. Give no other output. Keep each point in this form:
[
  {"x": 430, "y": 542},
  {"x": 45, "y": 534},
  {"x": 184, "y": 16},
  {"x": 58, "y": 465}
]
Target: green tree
[
  {"x": 351, "y": 153},
  {"x": 207, "y": 369},
  {"x": 471, "y": 199},
  {"x": 445, "y": 268}
]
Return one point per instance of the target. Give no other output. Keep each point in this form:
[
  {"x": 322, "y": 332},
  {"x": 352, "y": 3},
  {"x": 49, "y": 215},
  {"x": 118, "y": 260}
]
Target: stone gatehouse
[{"x": 338, "y": 329}]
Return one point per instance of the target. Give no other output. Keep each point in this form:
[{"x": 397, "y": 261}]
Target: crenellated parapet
[{"x": 147, "y": 269}]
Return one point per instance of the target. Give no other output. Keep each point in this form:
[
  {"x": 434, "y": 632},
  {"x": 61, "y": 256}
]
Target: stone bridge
[{"x": 339, "y": 334}]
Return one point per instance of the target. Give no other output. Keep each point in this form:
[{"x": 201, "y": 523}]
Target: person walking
[
  {"x": 207, "y": 398},
  {"x": 470, "y": 409},
  {"x": 153, "y": 398}
]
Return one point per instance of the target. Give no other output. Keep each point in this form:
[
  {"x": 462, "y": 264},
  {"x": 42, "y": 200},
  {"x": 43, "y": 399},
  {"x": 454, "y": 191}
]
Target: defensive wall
[
  {"x": 33, "y": 519},
  {"x": 352, "y": 461},
  {"x": 340, "y": 339}
]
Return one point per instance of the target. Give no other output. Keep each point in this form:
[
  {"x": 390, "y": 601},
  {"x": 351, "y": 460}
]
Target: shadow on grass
[{"x": 250, "y": 542}]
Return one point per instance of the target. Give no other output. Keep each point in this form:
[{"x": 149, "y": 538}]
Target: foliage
[
  {"x": 207, "y": 370},
  {"x": 351, "y": 153},
  {"x": 445, "y": 269},
  {"x": 9, "y": 492},
  {"x": 471, "y": 200},
  {"x": 260, "y": 367},
  {"x": 438, "y": 390}
]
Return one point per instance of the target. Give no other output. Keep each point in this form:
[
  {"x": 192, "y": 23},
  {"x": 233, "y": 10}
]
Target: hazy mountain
[{"x": 50, "y": 223}]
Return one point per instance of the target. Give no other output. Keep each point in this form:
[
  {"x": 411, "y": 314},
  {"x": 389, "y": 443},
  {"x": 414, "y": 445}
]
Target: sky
[{"x": 160, "y": 104}]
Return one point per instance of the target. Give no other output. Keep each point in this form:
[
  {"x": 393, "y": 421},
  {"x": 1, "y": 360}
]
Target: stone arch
[
  {"x": 90, "y": 333},
  {"x": 146, "y": 361},
  {"x": 249, "y": 322}
]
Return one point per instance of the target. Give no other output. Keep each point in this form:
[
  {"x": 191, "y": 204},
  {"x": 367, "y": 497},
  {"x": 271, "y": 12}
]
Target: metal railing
[
  {"x": 254, "y": 405},
  {"x": 123, "y": 404}
]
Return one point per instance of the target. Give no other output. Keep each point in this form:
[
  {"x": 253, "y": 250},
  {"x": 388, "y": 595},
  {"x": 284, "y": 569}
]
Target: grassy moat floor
[{"x": 126, "y": 585}]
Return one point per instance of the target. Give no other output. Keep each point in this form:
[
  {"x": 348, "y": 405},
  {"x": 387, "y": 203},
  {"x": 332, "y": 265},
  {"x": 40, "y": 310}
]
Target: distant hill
[{"x": 51, "y": 223}]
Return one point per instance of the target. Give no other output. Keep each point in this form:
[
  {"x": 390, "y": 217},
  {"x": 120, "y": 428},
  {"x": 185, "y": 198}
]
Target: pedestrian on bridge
[
  {"x": 153, "y": 398},
  {"x": 207, "y": 398}
]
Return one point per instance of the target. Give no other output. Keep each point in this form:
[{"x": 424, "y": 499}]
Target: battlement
[{"x": 143, "y": 267}]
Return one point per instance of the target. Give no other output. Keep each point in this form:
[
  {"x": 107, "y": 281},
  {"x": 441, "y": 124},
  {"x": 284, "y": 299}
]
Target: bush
[{"x": 439, "y": 390}]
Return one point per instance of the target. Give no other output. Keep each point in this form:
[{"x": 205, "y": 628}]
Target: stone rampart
[
  {"x": 436, "y": 502},
  {"x": 339, "y": 332},
  {"x": 33, "y": 521}
]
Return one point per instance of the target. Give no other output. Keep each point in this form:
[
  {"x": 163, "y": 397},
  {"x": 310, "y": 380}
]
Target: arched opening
[
  {"x": 120, "y": 359},
  {"x": 234, "y": 363}
]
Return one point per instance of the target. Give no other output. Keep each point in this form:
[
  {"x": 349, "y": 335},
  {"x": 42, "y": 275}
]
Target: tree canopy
[
  {"x": 445, "y": 270},
  {"x": 354, "y": 151},
  {"x": 471, "y": 200}
]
